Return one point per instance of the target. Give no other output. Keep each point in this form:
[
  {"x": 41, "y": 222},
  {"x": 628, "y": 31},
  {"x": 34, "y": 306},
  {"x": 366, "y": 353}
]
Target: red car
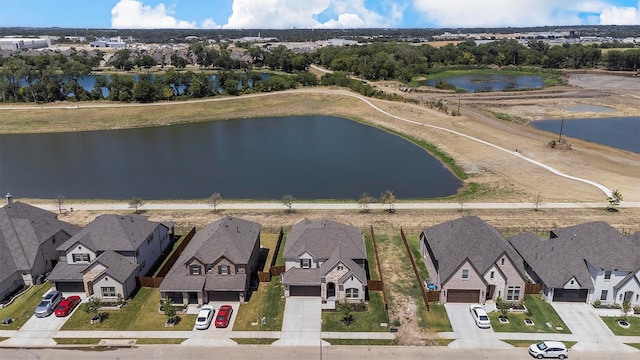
[
  {"x": 67, "y": 305},
  {"x": 224, "y": 315}
]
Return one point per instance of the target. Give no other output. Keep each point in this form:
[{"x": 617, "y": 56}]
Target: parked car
[
  {"x": 205, "y": 315},
  {"x": 480, "y": 316},
  {"x": 549, "y": 349},
  {"x": 224, "y": 315},
  {"x": 67, "y": 305},
  {"x": 48, "y": 304}
]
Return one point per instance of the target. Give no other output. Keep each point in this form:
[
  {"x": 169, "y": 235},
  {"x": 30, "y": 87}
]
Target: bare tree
[
  {"x": 461, "y": 201},
  {"x": 287, "y": 201},
  {"x": 364, "y": 201},
  {"x": 614, "y": 200},
  {"x": 388, "y": 198},
  {"x": 136, "y": 203},
  {"x": 214, "y": 200},
  {"x": 60, "y": 202},
  {"x": 537, "y": 203}
]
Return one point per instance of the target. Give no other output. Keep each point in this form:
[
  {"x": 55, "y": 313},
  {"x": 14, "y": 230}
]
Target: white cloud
[
  {"x": 283, "y": 14},
  {"x": 132, "y": 14},
  {"x": 615, "y": 15},
  {"x": 210, "y": 24}
]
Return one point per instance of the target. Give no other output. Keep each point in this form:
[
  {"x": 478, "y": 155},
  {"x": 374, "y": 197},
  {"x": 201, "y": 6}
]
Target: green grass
[
  {"x": 280, "y": 259},
  {"x": 268, "y": 241},
  {"x": 637, "y": 346},
  {"x": 373, "y": 342},
  {"x": 166, "y": 258},
  {"x": 542, "y": 313},
  {"x": 414, "y": 244},
  {"x": 22, "y": 308},
  {"x": 268, "y": 302},
  {"x": 367, "y": 321},
  {"x": 3, "y": 339},
  {"x": 527, "y": 343},
  {"x": 374, "y": 273},
  {"x": 510, "y": 118},
  {"x": 96, "y": 341},
  {"x": 612, "y": 323},
  {"x": 139, "y": 314},
  {"x": 437, "y": 318},
  {"x": 254, "y": 341}
]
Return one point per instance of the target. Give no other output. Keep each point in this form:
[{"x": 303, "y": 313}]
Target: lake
[
  {"x": 490, "y": 82},
  {"x": 618, "y": 132},
  {"x": 314, "y": 157}
]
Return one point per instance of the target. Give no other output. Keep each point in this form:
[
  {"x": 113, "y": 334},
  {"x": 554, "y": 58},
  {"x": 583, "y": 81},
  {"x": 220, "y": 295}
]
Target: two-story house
[
  {"x": 470, "y": 261},
  {"x": 217, "y": 265},
  {"x": 325, "y": 259},
  {"x": 583, "y": 263},
  {"x": 29, "y": 237},
  {"x": 104, "y": 257}
]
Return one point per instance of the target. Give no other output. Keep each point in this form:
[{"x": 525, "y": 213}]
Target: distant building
[
  {"x": 114, "y": 42},
  {"x": 15, "y": 43}
]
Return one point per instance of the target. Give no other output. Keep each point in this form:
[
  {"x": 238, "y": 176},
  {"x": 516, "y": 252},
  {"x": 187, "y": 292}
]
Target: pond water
[
  {"x": 619, "y": 132},
  {"x": 490, "y": 82},
  {"x": 589, "y": 108},
  {"x": 315, "y": 157}
]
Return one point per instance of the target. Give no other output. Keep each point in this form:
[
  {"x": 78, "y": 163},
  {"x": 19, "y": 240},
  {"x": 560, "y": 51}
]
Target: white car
[
  {"x": 480, "y": 316},
  {"x": 205, "y": 315},
  {"x": 549, "y": 349}
]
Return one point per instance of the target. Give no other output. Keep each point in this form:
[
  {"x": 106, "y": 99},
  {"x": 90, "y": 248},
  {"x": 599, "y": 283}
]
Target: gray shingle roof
[
  {"x": 66, "y": 272},
  {"x": 236, "y": 282},
  {"x": 304, "y": 277},
  {"x": 113, "y": 232},
  {"x": 468, "y": 237},
  {"x": 118, "y": 267},
  {"x": 231, "y": 237},
  {"x": 321, "y": 238},
  {"x": 23, "y": 228},
  {"x": 355, "y": 269},
  {"x": 564, "y": 255}
]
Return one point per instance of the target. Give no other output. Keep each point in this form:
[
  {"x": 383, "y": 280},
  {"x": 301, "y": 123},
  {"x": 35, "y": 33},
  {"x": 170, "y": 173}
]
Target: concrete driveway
[
  {"x": 467, "y": 334},
  {"x": 590, "y": 331},
  {"x": 302, "y": 322},
  {"x": 214, "y": 336}
]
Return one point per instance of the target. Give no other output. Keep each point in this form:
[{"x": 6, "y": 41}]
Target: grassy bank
[{"x": 550, "y": 77}]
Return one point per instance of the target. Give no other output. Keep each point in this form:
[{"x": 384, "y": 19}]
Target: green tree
[
  {"x": 92, "y": 306},
  {"x": 136, "y": 203},
  {"x": 170, "y": 310},
  {"x": 145, "y": 90},
  {"x": 287, "y": 201},
  {"x": 388, "y": 198},
  {"x": 614, "y": 199},
  {"x": 364, "y": 201},
  {"x": 346, "y": 312}
]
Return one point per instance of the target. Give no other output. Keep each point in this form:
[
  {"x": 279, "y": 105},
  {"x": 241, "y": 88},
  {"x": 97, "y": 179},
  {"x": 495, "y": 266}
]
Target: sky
[{"x": 337, "y": 14}]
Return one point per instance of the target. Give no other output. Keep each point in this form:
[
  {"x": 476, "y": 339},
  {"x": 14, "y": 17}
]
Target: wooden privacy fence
[
  {"x": 375, "y": 285},
  {"x": 176, "y": 253},
  {"x": 151, "y": 282},
  {"x": 532, "y": 288},
  {"x": 415, "y": 270},
  {"x": 379, "y": 284}
]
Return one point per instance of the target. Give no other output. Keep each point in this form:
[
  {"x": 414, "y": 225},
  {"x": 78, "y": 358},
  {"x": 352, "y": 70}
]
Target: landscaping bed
[
  {"x": 365, "y": 321},
  {"x": 538, "y": 311}
]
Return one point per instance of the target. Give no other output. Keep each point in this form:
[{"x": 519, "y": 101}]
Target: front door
[
  {"x": 628, "y": 295},
  {"x": 331, "y": 290},
  {"x": 490, "y": 290}
]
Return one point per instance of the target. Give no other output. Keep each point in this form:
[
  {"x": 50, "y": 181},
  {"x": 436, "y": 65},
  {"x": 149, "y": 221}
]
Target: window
[
  {"x": 465, "y": 273},
  {"x": 108, "y": 291},
  {"x": 305, "y": 263},
  {"x": 80, "y": 258},
  {"x": 223, "y": 269},
  {"x": 607, "y": 275},
  {"x": 340, "y": 267},
  {"x": 502, "y": 261},
  {"x": 351, "y": 293},
  {"x": 194, "y": 270},
  {"x": 603, "y": 295},
  {"x": 572, "y": 282},
  {"x": 492, "y": 273},
  {"x": 513, "y": 293}
]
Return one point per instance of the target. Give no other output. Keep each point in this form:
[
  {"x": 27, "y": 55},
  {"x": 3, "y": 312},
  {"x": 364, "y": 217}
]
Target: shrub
[{"x": 597, "y": 303}]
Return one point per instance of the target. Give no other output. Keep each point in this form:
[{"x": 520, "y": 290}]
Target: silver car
[{"x": 48, "y": 304}]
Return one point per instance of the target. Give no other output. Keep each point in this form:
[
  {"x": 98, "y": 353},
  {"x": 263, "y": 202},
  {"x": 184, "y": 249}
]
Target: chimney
[{"x": 9, "y": 199}]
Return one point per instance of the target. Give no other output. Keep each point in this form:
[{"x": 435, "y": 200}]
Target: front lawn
[
  {"x": 96, "y": 341},
  {"x": 437, "y": 318},
  {"x": 540, "y": 312},
  {"x": 22, "y": 308},
  {"x": 366, "y": 321},
  {"x": 254, "y": 341},
  {"x": 633, "y": 330},
  {"x": 139, "y": 314},
  {"x": 373, "y": 342},
  {"x": 527, "y": 343},
  {"x": 267, "y": 302}
]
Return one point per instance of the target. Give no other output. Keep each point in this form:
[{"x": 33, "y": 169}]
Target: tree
[
  {"x": 614, "y": 200},
  {"x": 214, "y": 200},
  {"x": 287, "y": 201},
  {"x": 59, "y": 203},
  {"x": 346, "y": 312},
  {"x": 537, "y": 203},
  {"x": 92, "y": 306},
  {"x": 136, "y": 204},
  {"x": 388, "y": 198},
  {"x": 169, "y": 310},
  {"x": 364, "y": 201},
  {"x": 626, "y": 309}
]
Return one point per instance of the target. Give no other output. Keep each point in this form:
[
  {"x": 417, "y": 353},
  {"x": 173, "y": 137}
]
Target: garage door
[
  {"x": 223, "y": 296},
  {"x": 304, "y": 291},
  {"x": 70, "y": 286},
  {"x": 574, "y": 295},
  {"x": 463, "y": 296}
]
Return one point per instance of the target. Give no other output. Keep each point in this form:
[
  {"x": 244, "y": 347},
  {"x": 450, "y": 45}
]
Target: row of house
[{"x": 467, "y": 259}]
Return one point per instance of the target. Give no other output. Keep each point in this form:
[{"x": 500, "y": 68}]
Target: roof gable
[{"x": 321, "y": 238}]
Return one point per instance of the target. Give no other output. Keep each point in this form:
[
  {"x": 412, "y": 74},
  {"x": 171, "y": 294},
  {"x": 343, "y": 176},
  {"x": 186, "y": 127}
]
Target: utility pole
[{"x": 561, "y": 126}]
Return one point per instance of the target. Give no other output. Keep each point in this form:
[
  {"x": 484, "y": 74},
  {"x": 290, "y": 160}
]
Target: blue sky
[{"x": 284, "y": 14}]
